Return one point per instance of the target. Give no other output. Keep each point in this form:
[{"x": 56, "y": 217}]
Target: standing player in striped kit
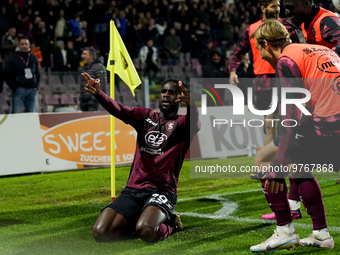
[
  {"x": 263, "y": 83},
  {"x": 264, "y": 73},
  {"x": 319, "y": 26},
  {"x": 317, "y": 69}
]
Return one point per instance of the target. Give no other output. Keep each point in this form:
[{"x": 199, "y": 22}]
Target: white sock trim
[
  {"x": 321, "y": 234},
  {"x": 286, "y": 229},
  {"x": 293, "y": 204}
]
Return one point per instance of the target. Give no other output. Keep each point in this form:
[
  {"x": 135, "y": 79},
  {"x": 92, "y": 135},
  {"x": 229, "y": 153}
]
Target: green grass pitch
[{"x": 52, "y": 214}]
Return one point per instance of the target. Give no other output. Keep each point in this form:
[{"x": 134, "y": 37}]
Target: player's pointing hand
[
  {"x": 184, "y": 95},
  {"x": 92, "y": 85}
]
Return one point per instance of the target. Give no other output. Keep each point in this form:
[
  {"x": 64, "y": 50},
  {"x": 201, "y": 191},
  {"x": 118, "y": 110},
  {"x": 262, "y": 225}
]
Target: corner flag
[{"x": 119, "y": 62}]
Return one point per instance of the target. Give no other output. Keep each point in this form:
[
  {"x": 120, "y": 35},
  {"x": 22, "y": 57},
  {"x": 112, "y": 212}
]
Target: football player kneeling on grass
[{"x": 147, "y": 203}]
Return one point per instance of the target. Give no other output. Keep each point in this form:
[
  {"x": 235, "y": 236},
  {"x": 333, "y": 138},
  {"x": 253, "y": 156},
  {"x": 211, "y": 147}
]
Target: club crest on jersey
[
  {"x": 155, "y": 139},
  {"x": 170, "y": 125}
]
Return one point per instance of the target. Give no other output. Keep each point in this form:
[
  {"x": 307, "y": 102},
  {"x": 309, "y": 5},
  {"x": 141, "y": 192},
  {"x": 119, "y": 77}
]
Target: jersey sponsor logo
[
  {"x": 151, "y": 151},
  {"x": 170, "y": 125},
  {"x": 329, "y": 64},
  {"x": 151, "y": 122},
  {"x": 307, "y": 51},
  {"x": 155, "y": 139},
  {"x": 315, "y": 50}
]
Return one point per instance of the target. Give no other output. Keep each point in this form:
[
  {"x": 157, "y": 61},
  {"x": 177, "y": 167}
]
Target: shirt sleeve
[
  {"x": 131, "y": 116},
  {"x": 330, "y": 31},
  {"x": 242, "y": 47},
  {"x": 288, "y": 75},
  {"x": 292, "y": 30}
]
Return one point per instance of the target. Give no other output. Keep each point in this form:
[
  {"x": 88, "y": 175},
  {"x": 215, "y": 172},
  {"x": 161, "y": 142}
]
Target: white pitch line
[
  {"x": 221, "y": 194},
  {"x": 228, "y": 207},
  {"x": 235, "y": 218}
]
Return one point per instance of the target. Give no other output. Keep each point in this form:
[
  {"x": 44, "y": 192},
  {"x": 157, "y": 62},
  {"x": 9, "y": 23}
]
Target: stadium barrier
[
  {"x": 49, "y": 142},
  {"x": 32, "y": 142}
]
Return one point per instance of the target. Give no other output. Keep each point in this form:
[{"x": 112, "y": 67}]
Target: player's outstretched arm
[{"x": 92, "y": 85}]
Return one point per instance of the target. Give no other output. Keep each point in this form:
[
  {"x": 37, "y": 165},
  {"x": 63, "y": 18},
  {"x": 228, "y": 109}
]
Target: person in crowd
[
  {"x": 205, "y": 56},
  {"x": 35, "y": 50},
  {"x": 185, "y": 35},
  {"x": 73, "y": 59},
  {"x": 61, "y": 31},
  {"x": 8, "y": 43},
  {"x": 148, "y": 56},
  {"x": 151, "y": 31},
  {"x": 202, "y": 34},
  {"x": 23, "y": 77},
  {"x": 60, "y": 60},
  {"x": 45, "y": 41},
  {"x": 96, "y": 69},
  {"x": 4, "y": 20},
  {"x": 245, "y": 71},
  {"x": 215, "y": 68},
  {"x": 172, "y": 45}
]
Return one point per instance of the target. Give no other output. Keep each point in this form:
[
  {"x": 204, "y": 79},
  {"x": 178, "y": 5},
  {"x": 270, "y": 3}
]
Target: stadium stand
[{"x": 46, "y": 27}]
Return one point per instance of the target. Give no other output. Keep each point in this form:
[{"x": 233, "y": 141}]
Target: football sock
[
  {"x": 279, "y": 205},
  {"x": 293, "y": 191},
  {"x": 321, "y": 234},
  {"x": 287, "y": 229},
  {"x": 117, "y": 234},
  {"x": 311, "y": 196},
  {"x": 163, "y": 232},
  {"x": 294, "y": 205}
]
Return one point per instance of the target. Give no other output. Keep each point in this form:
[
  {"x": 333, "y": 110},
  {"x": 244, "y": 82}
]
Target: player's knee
[
  {"x": 146, "y": 232},
  {"x": 100, "y": 234}
]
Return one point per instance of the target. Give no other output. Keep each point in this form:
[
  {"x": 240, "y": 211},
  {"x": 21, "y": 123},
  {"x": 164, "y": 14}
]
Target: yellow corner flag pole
[
  {"x": 119, "y": 62},
  {"x": 113, "y": 150}
]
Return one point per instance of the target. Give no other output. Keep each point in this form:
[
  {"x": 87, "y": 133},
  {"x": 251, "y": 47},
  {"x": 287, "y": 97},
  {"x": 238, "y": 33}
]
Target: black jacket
[
  {"x": 14, "y": 71},
  {"x": 214, "y": 70},
  {"x": 96, "y": 70}
]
